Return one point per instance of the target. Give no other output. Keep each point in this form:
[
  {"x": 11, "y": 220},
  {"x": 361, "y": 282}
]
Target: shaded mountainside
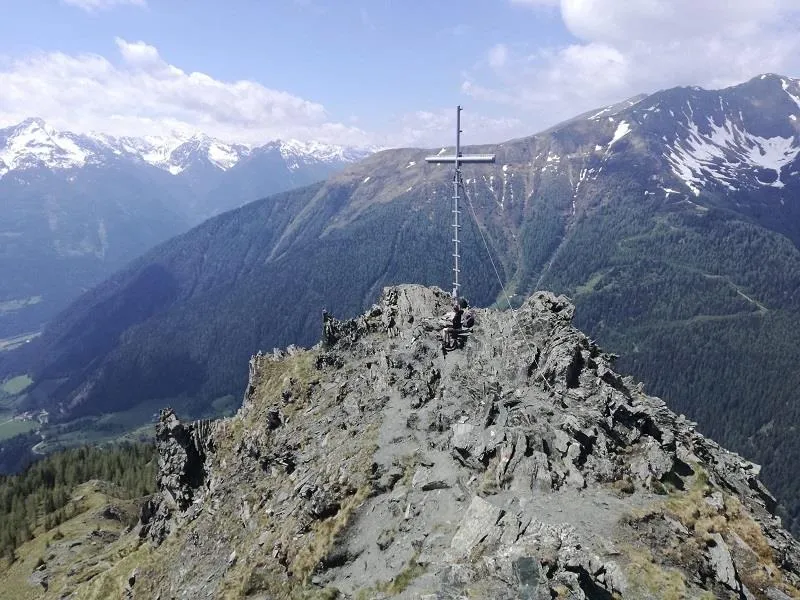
[
  {"x": 671, "y": 220},
  {"x": 372, "y": 466},
  {"x": 77, "y": 208},
  {"x": 63, "y": 232}
]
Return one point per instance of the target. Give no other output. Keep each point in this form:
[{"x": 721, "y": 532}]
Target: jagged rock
[
  {"x": 462, "y": 435},
  {"x": 478, "y": 522},
  {"x": 522, "y": 466},
  {"x": 111, "y": 512},
  {"x": 716, "y": 501},
  {"x": 182, "y": 473},
  {"x": 385, "y": 539},
  {"x": 721, "y": 562},
  {"x": 775, "y": 594},
  {"x": 542, "y": 475},
  {"x": 652, "y": 463},
  {"x": 427, "y": 479},
  {"x": 40, "y": 577}
]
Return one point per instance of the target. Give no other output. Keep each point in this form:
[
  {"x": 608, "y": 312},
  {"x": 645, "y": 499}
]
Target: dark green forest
[{"x": 40, "y": 496}]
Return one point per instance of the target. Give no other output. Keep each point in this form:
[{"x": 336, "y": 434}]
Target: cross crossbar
[{"x": 467, "y": 158}]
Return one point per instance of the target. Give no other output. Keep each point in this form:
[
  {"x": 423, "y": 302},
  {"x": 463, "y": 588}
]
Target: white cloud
[
  {"x": 96, "y": 5},
  {"x": 138, "y": 53},
  {"x": 659, "y": 20},
  {"x": 140, "y": 93},
  {"x": 624, "y": 48},
  {"x": 143, "y": 94}
]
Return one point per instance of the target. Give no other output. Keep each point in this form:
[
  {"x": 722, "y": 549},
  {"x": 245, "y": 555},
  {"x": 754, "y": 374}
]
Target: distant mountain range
[
  {"x": 78, "y": 207},
  {"x": 34, "y": 143},
  {"x": 672, "y": 221}
]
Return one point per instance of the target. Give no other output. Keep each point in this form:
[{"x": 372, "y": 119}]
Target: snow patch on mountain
[
  {"x": 623, "y": 129},
  {"x": 614, "y": 109},
  {"x": 34, "y": 143},
  {"x": 600, "y": 113},
  {"x": 786, "y": 88},
  {"x": 157, "y": 151},
  {"x": 203, "y": 149},
  {"x": 725, "y": 153},
  {"x": 223, "y": 156},
  {"x": 297, "y": 153}
]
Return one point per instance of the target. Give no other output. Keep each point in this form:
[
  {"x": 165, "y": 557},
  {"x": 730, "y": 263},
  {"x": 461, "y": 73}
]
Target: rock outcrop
[
  {"x": 522, "y": 466},
  {"x": 182, "y": 471}
]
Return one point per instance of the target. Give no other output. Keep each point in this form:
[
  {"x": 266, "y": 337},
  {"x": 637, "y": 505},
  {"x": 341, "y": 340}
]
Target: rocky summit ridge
[{"x": 522, "y": 466}]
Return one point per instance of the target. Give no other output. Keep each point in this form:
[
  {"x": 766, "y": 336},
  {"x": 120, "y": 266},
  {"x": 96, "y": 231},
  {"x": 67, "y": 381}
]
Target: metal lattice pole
[
  {"x": 456, "y": 183},
  {"x": 458, "y": 160}
]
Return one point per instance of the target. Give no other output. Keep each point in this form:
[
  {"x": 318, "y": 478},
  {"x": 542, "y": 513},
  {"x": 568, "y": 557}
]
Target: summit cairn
[{"x": 522, "y": 466}]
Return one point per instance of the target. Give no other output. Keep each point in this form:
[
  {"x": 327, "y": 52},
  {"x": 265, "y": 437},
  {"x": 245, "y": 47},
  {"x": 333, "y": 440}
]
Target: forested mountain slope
[
  {"x": 672, "y": 221},
  {"x": 76, "y": 208}
]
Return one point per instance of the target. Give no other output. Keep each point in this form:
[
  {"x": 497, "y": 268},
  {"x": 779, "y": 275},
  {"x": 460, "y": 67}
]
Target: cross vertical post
[
  {"x": 456, "y": 182},
  {"x": 458, "y": 159}
]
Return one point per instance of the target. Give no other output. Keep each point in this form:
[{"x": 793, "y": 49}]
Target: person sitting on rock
[
  {"x": 468, "y": 318},
  {"x": 449, "y": 333}
]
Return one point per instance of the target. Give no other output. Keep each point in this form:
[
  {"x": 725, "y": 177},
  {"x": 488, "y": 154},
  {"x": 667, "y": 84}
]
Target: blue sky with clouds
[{"x": 385, "y": 72}]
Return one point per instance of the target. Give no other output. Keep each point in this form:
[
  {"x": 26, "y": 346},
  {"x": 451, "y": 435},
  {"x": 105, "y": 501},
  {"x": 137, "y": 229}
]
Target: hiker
[
  {"x": 449, "y": 333},
  {"x": 468, "y": 318}
]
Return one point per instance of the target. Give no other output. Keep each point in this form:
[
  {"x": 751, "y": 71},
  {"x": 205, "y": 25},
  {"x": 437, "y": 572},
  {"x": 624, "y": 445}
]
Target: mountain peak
[
  {"x": 770, "y": 77},
  {"x": 768, "y": 80},
  {"x": 32, "y": 122},
  {"x": 520, "y": 466},
  {"x": 31, "y": 126},
  {"x": 33, "y": 142}
]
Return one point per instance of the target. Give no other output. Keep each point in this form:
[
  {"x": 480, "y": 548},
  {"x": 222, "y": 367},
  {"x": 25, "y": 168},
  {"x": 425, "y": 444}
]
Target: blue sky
[{"x": 383, "y": 72}]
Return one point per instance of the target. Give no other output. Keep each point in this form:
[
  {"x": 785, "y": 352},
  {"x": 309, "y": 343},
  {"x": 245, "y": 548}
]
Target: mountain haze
[
  {"x": 78, "y": 207},
  {"x": 671, "y": 220}
]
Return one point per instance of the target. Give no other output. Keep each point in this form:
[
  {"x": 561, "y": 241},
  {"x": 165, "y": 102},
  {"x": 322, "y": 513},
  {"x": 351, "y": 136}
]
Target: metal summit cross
[{"x": 458, "y": 159}]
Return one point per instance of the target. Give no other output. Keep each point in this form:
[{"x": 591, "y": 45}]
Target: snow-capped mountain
[
  {"x": 297, "y": 153},
  {"x": 34, "y": 143},
  {"x": 76, "y": 207},
  {"x": 175, "y": 153},
  {"x": 745, "y": 137}
]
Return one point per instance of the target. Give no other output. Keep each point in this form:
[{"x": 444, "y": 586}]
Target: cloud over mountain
[
  {"x": 144, "y": 94},
  {"x": 540, "y": 62},
  {"x": 621, "y": 49}
]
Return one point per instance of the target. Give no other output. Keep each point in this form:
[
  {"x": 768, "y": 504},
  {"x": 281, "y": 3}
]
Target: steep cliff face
[{"x": 522, "y": 466}]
